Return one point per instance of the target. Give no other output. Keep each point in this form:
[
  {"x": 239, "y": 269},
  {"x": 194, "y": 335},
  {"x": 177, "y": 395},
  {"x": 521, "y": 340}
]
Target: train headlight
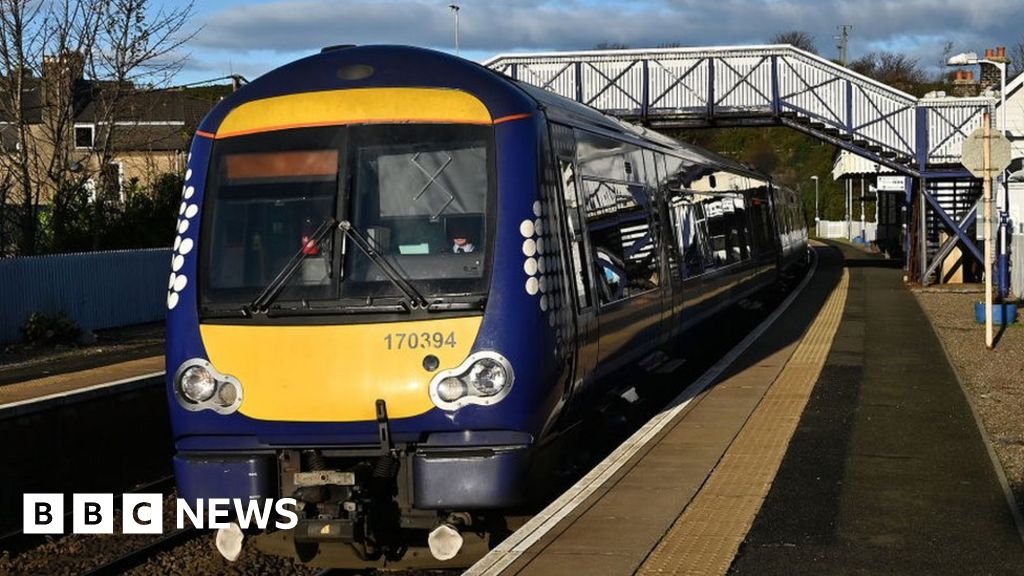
[
  {"x": 451, "y": 389},
  {"x": 485, "y": 378},
  {"x": 199, "y": 386}
]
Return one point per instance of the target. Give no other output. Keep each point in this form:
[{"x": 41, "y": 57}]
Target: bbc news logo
[{"x": 144, "y": 513}]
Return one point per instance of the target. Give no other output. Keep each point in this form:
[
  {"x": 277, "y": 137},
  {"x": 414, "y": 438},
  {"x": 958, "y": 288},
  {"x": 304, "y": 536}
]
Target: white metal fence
[
  {"x": 840, "y": 229},
  {"x": 98, "y": 289}
]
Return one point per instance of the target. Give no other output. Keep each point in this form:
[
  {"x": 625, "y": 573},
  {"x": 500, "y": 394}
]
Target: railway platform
[
  {"x": 836, "y": 439},
  {"x": 16, "y": 397}
]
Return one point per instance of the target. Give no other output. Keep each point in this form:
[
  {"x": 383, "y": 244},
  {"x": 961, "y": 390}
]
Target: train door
[
  {"x": 579, "y": 274},
  {"x": 672, "y": 288},
  {"x": 624, "y": 250}
]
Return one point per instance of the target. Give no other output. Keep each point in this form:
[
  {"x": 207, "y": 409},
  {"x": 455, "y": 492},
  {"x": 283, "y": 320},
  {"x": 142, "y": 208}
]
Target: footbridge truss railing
[{"x": 756, "y": 85}]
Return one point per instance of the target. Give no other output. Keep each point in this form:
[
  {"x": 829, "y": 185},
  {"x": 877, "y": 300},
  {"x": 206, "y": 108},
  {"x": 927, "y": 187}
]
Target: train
[{"x": 401, "y": 280}]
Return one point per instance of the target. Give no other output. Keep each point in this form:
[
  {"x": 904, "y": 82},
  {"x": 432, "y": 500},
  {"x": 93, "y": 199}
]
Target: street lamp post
[
  {"x": 970, "y": 59},
  {"x": 817, "y": 219},
  {"x": 455, "y": 11}
]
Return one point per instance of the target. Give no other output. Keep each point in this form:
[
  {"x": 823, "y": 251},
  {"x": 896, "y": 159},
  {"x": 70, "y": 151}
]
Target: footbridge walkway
[{"x": 779, "y": 85}]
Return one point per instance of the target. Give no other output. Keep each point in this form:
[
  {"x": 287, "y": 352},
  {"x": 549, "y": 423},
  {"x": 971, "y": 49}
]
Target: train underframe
[{"x": 437, "y": 503}]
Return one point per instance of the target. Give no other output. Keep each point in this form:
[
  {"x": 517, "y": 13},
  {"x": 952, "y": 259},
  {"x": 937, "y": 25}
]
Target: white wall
[{"x": 837, "y": 229}]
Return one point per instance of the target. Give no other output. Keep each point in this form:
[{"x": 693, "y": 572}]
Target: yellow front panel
[
  {"x": 336, "y": 373},
  {"x": 354, "y": 106}
]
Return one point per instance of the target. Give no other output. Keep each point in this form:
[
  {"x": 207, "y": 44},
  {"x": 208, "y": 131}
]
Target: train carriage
[{"x": 400, "y": 277}]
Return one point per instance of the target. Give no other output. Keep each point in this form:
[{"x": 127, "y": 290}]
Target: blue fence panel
[{"x": 96, "y": 289}]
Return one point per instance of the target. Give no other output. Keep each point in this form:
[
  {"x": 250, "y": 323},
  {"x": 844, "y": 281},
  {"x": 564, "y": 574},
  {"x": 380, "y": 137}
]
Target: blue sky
[{"x": 255, "y": 36}]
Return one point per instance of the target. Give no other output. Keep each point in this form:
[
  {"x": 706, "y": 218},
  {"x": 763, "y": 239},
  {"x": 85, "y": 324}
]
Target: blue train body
[{"x": 599, "y": 244}]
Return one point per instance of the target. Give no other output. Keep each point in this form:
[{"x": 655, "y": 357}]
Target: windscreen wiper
[
  {"x": 273, "y": 290},
  {"x": 393, "y": 275}
]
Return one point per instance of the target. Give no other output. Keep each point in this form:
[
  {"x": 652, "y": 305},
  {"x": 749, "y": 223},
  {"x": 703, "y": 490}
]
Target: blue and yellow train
[{"x": 399, "y": 278}]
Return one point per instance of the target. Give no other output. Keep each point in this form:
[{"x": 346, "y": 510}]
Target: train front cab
[{"x": 369, "y": 383}]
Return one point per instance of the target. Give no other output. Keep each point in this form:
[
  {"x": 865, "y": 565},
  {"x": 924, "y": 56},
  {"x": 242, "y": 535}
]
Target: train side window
[
  {"x": 739, "y": 242},
  {"x": 572, "y": 205},
  {"x": 761, "y": 219},
  {"x": 685, "y": 229},
  {"x": 600, "y": 157},
  {"x": 717, "y": 230},
  {"x": 618, "y": 225},
  {"x": 651, "y": 170},
  {"x": 636, "y": 170}
]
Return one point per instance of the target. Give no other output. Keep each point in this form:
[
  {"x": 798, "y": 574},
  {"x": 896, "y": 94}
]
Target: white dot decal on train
[
  {"x": 182, "y": 246},
  {"x": 526, "y": 228},
  {"x": 530, "y": 266},
  {"x": 538, "y": 227},
  {"x": 529, "y": 247},
  {"x": 540, "y": 245},
  {"x": 532, "y": 285},
  {"x": 536, "y": 208}
]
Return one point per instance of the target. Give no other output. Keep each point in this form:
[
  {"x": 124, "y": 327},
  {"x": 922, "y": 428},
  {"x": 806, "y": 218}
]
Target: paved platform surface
[
  {"x": 83, "y": 379},
  {"x": 887, "y": 472},
  {"x": 839, "y": 443}
]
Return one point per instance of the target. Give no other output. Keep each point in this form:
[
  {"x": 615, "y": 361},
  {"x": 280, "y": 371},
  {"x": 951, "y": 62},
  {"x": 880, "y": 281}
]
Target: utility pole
[
  {"x": 989, "y": 253},
  {"x": 455, "y": 11},
  {"x": 844, "y": 42}
]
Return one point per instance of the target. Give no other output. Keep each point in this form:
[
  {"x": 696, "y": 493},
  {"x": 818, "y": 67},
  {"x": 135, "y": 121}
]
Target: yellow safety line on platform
[
  {"x": 705, "y": 538},
  {"x": 69, "y": 383}
]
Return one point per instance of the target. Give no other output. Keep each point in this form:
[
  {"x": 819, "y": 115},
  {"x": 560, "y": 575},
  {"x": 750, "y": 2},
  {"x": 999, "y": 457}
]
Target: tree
[
  {"x": 947, "y": 51},
  {"x": 897, "y": 70},
  {"x": 54, "y": 55},
  {"x": 1016, "y": 58},
  {"x": 796, "y": 38}
]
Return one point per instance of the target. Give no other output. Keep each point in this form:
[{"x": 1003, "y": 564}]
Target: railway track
[
  {"x": 15, "y": 542},
  {"x": 139, "y": 556}
]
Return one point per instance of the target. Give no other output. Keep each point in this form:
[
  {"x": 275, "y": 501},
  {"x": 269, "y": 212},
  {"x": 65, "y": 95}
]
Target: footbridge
[{"x": 777, "y": 85}]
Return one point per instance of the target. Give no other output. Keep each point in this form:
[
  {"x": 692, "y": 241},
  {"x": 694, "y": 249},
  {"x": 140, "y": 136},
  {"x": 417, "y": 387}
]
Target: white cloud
[{"x": 256, "y": 33}]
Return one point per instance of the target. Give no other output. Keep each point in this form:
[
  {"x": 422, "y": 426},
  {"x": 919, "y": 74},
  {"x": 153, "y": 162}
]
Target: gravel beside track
[
  {"x": 200, "y": 556},
  {"x": 994, "y": 379},
  {"x": 77, "y": 553}
]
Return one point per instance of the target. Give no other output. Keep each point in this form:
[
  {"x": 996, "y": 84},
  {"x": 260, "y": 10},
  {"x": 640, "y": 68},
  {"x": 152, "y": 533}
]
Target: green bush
[{"x": 49, "y": 329}]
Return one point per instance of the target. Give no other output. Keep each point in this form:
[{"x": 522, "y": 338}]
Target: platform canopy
[{"x": 848, "y": 164}]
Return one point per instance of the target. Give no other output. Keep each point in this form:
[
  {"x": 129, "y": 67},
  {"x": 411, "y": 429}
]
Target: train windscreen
[{"x": 418, "y": 194}]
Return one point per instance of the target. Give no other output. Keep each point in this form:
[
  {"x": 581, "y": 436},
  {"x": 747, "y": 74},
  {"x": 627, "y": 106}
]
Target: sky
[{"x": 251, "y": 37}]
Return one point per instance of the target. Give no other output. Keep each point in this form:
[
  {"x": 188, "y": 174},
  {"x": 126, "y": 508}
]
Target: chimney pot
[
  {"x": 988, "y": 52},
  {"x": 1001, "y": 51}
]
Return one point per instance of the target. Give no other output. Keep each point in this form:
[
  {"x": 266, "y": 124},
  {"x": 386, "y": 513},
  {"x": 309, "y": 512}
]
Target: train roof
[{"x": 380, "y": 66}]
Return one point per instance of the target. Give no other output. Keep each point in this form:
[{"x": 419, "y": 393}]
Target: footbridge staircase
[{"x": 779, "y": 85}]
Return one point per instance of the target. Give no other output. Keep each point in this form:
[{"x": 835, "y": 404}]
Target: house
[
  {"x": 102, "y": 130},
  {"x": 69, "y": 133}
]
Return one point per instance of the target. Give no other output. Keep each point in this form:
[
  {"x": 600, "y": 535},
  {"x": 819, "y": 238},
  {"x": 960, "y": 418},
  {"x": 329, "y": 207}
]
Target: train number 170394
[{"x": 419, "y": 340}]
